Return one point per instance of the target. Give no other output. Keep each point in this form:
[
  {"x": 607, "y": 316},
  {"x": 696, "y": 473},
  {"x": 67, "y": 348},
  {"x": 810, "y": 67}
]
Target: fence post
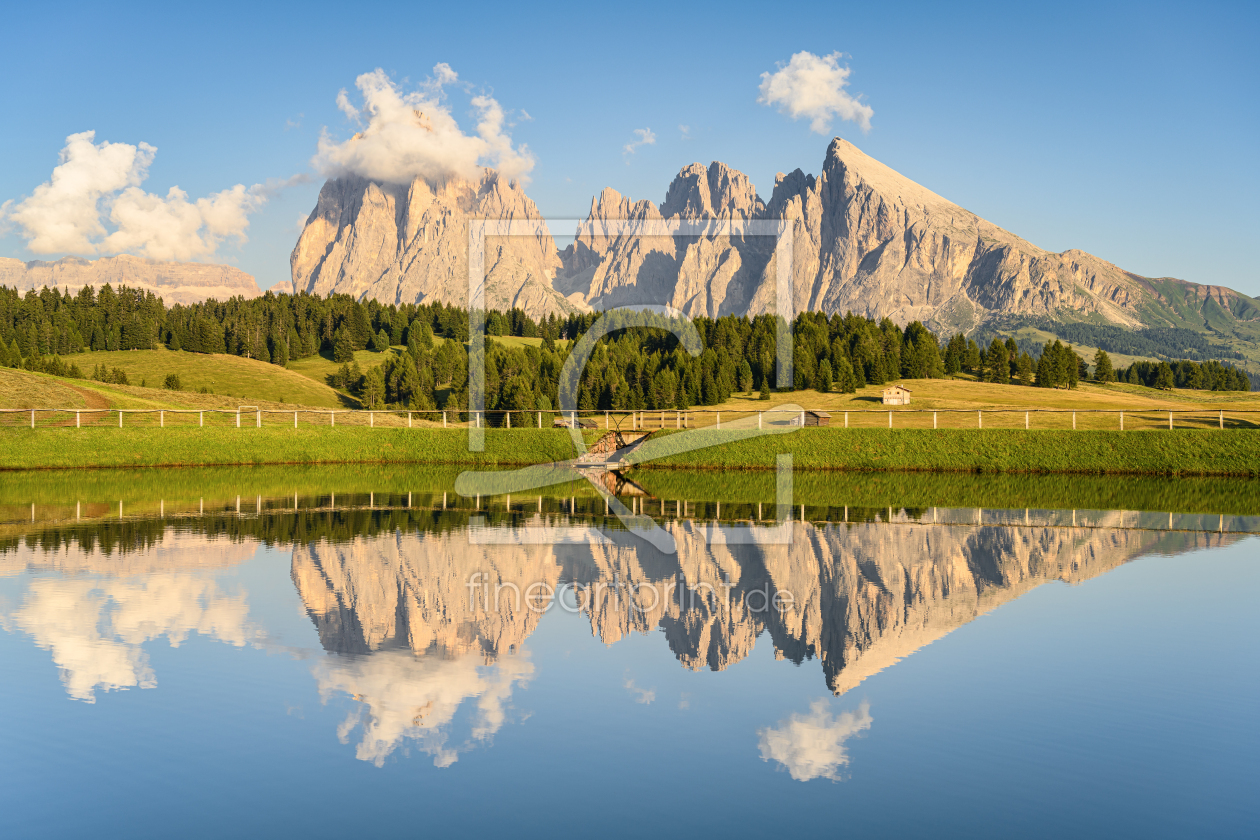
[
  {"x": 890, "y": 419},
  {"x": 161, "y": 419},
  {"x": 201, "y": 419},
  {"x": 295, "y": 419},
  {"x": 719, "y": 419},
  {"x": 1025, "y": 421},
  {"x": 1222, "y": 419},
  {"x": 933, "y": 419},
  {"x": 605, "y": 419},
  {"x": 238, "y": 418},
  {"x": 846, "y": 419},
  {"x": 508, "y": 416},
  {"x": 120, "y": 418},
  {"x": 408, "y": 419},
  {"x": 371, "y": 419},
  {"x": 758, "y": 420},
  {"x": 1122, "y": 421},
  {"x": 258, "y": 419},
  {"x": 1170, "y": 426},
  {"x": 32, "y": 418},
  {"x": 443, "y": 419},
  {"x": 76, "y": 419},
  {"x": 979, "y": 419},
  {"x": 1074, "y": 421},
  {"x": 332, "y": 418}
]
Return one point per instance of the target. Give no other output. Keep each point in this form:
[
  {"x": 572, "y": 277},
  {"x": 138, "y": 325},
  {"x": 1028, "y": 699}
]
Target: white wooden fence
[{"x": 645, "y": 420}]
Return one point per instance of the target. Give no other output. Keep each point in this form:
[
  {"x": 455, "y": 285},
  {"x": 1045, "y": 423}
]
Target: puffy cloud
[
  {"x": 414, "y": 134},
  {"x": 645, "y": 137},
  {"x": 95, "y": 629},
  {"x": 644, "y": 696},
  {"x": 99, "y": 181},
  {"x": 813, "y": 86},
  {"x": 811, "y": 746},
  {"x": 410, "y": 700}
]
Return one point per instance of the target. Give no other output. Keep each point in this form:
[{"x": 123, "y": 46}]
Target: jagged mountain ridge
[
  {"x": 174, "y": 282},
  {"x": 865, "y": 239},
  {"x": 864, "y": 596}
]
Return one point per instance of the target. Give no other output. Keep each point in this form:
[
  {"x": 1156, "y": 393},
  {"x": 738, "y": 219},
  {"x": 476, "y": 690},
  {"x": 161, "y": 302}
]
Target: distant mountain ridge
[
  {"x": 865, "y": 239},
  {"x": 174, "y": 282}
]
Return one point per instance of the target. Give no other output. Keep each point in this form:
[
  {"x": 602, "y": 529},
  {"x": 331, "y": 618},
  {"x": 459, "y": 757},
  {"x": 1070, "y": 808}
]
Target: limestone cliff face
[
  {"x": 870, "y": 240},
  {"x": 707, "y": 275},
  {"x": 174, "y": 282},
  {"x": 865, "y": 239},
  {"x": 409, "y": 243}
]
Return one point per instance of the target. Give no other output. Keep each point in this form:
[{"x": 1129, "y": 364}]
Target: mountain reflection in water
[{"x": 419, "y": 624}]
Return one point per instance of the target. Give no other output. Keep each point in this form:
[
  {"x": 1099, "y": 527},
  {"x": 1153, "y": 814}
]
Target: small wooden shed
[
  {"x": 563, "y": 422},
  {"x": 897, "y": 395},
  {"x": 817, "y": 418}
]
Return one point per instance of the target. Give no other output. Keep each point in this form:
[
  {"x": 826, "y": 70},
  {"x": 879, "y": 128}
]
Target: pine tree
[
  {"x": 998, "y": 363},
  {"x": 343, "y": 349},
  {"x": 822, "y": 381},
  {"x": 1103, "y": 371},
  {"x": 1164, "y": 379},
  {"x": 745, "y": 376}
]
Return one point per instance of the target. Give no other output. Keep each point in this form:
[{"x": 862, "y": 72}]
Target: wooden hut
[
  {"x": 896, "y": 395},
  {"x": 563, "y": 422},
  {"x": 817, "y": 418}
]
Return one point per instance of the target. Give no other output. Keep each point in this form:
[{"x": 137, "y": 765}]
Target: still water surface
[{"x": 209, "y": 653}]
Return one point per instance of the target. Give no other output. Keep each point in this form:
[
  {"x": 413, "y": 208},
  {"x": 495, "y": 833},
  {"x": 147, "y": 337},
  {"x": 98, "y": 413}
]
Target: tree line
[{"x": 634, "y": 367}]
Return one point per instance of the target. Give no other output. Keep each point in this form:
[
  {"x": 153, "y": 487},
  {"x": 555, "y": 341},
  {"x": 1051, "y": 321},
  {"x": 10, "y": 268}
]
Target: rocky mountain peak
[
  {"x": 865, "y": 239},
  {"x": 174, "y": 282},
  {"x": 718, "y": 192}
]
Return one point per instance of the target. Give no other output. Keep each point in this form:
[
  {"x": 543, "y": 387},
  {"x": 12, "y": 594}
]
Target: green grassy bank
[
  {"x": 1204, "y": 453},
  {"x": 148, "y": 447}
]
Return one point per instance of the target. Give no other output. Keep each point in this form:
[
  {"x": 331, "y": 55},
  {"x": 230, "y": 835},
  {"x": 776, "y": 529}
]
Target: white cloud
[
  {"x": 95, "y": 628},
  {"x": 645, "y": 136},
  {"x": 414, "y": 134},
  {"x": 685, "y": 130},
  {"x": 642, "y": 695},
  {"x": 813, "y": 86},
  {"x": 811, "y": 746},
  {"x": 99, "y": 181},
  {"x": 409, "y": 700}
]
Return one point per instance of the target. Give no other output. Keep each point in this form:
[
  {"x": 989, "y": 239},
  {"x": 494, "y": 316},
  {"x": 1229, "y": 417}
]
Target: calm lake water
[{"x": 365, "y": 652}]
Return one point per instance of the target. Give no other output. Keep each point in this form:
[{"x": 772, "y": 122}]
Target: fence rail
[{"x": 642, "y": 420}]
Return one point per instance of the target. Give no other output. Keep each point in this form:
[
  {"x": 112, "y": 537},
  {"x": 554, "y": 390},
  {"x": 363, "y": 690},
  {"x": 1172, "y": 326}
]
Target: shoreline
[{"x": 1205, "y": 453}]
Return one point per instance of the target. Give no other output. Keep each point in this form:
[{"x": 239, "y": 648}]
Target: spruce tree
[
  {"x": 343, "y": 349},
  {"x": 1103, "y": 371},
  {"x": 1164, "y": 379}
]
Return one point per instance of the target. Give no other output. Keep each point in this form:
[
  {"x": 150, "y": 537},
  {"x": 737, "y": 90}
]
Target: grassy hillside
[
  {"x": 21, "y": 389},
  {"x": 228, "y": 376},
  {"x": 959, "y": 399}
]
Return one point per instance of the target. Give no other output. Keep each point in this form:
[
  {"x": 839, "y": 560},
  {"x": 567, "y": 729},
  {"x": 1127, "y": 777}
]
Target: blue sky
[{"x": 1126, "y": 131}]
